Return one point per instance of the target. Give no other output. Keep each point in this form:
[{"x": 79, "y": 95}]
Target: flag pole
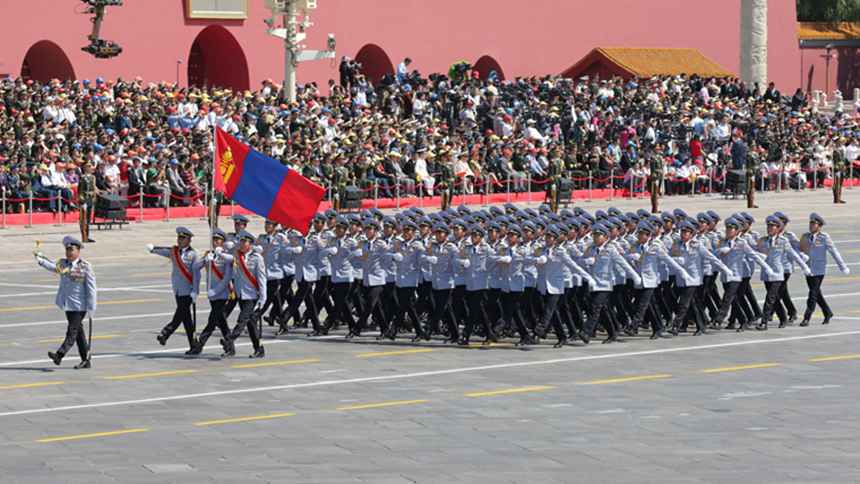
[{"x": 212, "y": 215}]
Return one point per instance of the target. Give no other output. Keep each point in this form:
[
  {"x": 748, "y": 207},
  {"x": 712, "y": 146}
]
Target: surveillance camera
[
  {"x": 179, "y": 61},
  {"x": 268, "y": 22},
  {"x": 331, "y": 42},
  {"x": 829, "y": 46}
]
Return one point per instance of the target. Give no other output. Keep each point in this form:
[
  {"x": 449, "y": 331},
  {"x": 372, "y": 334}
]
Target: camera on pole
[{"x": 100, "y": 48}]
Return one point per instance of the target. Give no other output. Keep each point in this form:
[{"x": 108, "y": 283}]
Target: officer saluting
[
  {"x": 249, "y": 279},
  {"x": 186, "y": 285},
  {"x": 76, "y": 295}
]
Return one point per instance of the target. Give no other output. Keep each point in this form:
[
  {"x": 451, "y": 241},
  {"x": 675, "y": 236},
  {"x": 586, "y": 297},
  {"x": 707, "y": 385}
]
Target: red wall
[
  {"x": 844, "y": 70},
  {"x": 535, "y": 38}
]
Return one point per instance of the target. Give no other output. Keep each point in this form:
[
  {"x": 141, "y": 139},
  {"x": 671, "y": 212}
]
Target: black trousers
[
  {"x": 550, "y": 315},
  {"x": 815, "y": 297},
  {"x": 644, "y": 308},
  {"x": 182, "y": 315},
  {"x": 216, "y": 319},
  {"x": 340, "y": 312},
  {"x": 388, "y": 302},
  {"x": 529, "y": 314},
  {"x": 442, "y": 309},
  {"x": 491, "y": 305},
  {"x": 458, "y": 305},
  {"x": 477, "y": 311},
  {"x": 710, "y": 298},
  {"x": 685, "y": 305},
  {"x": 425, "y": 301},
  {"x": 785, "y": 298},
  {"x": 75, "y": 334},
  {"x": 404, "y": 295},
  {"x": 285, "y": 292},
  {"x": 511, "y": 311},
  {"x": 770, "y": 299},
  {"x": 597, "y": 313},
  {"x": 303, "y": 293},
  {"x": 247, "y": 317},
  {"x": 321, "y": 298},
  {"x": 729, "y": 301},
  {"x": 371, "y": 305},
  {"x": 273, "y": 298}
]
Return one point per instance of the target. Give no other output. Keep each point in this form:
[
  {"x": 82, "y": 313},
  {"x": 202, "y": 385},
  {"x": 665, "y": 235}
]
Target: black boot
[
  {"x": 83, "y": 365},
  {"x": 259, "y": 353},
  {"x": 56, "y": 357}
]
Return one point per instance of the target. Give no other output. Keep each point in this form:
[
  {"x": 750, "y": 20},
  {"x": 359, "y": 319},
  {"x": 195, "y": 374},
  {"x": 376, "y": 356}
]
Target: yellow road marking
[
  {"x": 28, "y": 385},
  {"x": 245, "y": 419},
  {"x": 93, "y": 435},
  {"x": 732, "y": 368},
  {"x": 274, "y": 363},
  {"x": 835, "y": 358},
  {"x": 515, "y": 390},
  {"x": 101, "y": 336},
  {"x": 143, "y": 375},
  {"x": 851, "y": 251},
  {"x": 100, "y": 304},
  {"x": 381, "y": 404},
  {"x": 393, "y": 353},
  {"x": 619, "y": 380}
]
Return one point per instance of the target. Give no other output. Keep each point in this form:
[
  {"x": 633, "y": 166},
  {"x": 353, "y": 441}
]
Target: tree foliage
[{"x": 828, "y": 10}]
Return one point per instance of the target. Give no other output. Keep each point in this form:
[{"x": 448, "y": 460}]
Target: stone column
[{"x": 753, "y": 67}]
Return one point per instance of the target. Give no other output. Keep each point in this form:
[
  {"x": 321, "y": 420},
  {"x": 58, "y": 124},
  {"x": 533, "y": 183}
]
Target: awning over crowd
[{"x": 628, "y": 62}]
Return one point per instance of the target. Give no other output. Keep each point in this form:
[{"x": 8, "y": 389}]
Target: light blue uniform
[
  {"x": 691, "y": 256},
  {"x": 477, "y": 274},
  {"x": 274, "y": 246},
  {"x": 604, "y": 261},
  {"x": 816, "y": 247},
  {"x": 551, "y": 277},
  {"x": 187, "y": 257},
  {"x": 734, "y": 254},
  {"x": 408, "y": 270},
  {"x": 373, "y": 255},
  {"x": 778, "y": 252},
  {"x": 243, "y": 287},
  {"x": 443, "y": 269},
  {"x": 340, "y": 263},
  {"x": 221, "y": 286},
  {"x": 77, "y": 291},
  {"x": 646, "y": 260}
]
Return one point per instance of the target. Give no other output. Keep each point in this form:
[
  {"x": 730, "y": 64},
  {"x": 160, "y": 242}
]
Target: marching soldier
[
  {"x": 220, "y": 267},
  {"x": 372, "y": 251},
  {"x": 76, "y": 295},
  {"x": 838, "y": 170},
  {"x": 274, "y": 246},
  {"x": 186, "y": 285},
  {"x": 405, "y": 253},
  {"x": 249, "y": 276},
  {"x": 777, "y": 250},
  {"x": 816, "y": 244},
  {"x": 439, "y": 255},
  {"x": 473, "y": 260},
  {"x": 342, "y": 277},
  {"x": 86, "y": 199},
  {"x": 784, "y": 297},
  {"x": 656, "y": 179}
]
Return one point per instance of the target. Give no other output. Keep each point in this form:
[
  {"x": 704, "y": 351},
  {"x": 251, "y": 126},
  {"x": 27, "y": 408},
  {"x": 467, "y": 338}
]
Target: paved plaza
[{"x": 774, "y": 406}]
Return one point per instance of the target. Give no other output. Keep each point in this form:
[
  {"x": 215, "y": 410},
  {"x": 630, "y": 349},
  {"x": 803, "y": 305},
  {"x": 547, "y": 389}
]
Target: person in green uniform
[
  {"x": 553, "y": 186},
  {"x": 86, "y": 200},
  {"x": 449, "y": 178},
  {"x": 339, "y": 178},
  {"x": 838, "y": 170},
  {"x": 751, "y": 168},
  {"x": 656, "y": 168}
]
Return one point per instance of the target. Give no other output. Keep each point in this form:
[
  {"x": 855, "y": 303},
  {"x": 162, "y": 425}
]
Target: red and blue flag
[{"x": 263, "y": 185}]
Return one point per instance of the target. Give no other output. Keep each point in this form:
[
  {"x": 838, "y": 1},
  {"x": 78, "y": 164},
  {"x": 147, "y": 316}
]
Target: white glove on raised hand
[
  {"x": 541, "y": 260},
  {"x": 150, "y": 247},
  {"x": 218, "y": 250},
  {"x": 194, "y": 296},
  {"x": 846, "y": 271},
  {"x": 210, "y": 293},
  {"x": 297, "y": 250},
  {"x": 397, "y": 257},
  {"x": 685, "y": 275},
  {"x": 37, "y": 256},
  {"x": 210, "y": 257},
  {"x": 505, "y": 260},
  {"x": 589, "y": 262},
  {"x": 465, "y": 263},
  {"x": 356, "y": 253},
  {"x": 229, "y": 245},
  {"x": 432, "y": 260},
  {"x": 331, "y": 251},
  {"x": 258, "y": 249}
]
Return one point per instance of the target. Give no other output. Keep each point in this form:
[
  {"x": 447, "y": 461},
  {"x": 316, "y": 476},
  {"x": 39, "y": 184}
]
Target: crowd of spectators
[{"x": 157, "y": 138}]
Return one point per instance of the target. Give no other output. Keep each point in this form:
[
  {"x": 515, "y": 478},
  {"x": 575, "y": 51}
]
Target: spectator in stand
[{"x": 738, "y": 152}]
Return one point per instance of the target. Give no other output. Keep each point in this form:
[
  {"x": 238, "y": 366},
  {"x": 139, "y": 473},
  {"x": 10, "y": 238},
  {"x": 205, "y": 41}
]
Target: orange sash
[
  {"x": 177, "y": 261},
  {"x": 248, "y": 274}
]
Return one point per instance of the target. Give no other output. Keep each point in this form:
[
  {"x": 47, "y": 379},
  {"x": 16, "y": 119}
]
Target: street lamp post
[{"x": 827, "y": 58}]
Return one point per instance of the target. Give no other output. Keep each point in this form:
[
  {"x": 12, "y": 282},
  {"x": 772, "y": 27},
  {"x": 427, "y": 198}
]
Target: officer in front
[{"x": 816, "y": 244}]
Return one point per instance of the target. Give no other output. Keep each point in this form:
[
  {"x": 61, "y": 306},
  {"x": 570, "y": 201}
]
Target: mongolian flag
[{"x": 263, "y": 185}]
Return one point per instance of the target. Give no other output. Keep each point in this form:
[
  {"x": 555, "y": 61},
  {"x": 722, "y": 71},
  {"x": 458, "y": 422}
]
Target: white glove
[
  {"x": 397, "y": 257},
  {"x": 804, "y": 257},
  {"x": 846, "y": 271},
  {"x": 90, "y": 314},
  {"x": 725, "y": 250},
  {"x": 505, "y": 260},
  {"x": 258, "y": 249},
  {"x": 210, "y": 293},
  {"x": 637, "y": 280},
  {"x": 552, "y": 187},
  {"x": 331, "y": 251},
  {"x": 84, "y": 207},
  {"x": 769, "y": 272},
  {"x": 150, "y": 247},
  {"x": 297, "y": 250},
  {"x": 356, "y": 253},
  {"x": 541, "y": 260},
  {"x": 229, "y": 245},
  {"x": 589, "y": 261},
  {"x": 218, "y": 250},
  {"x": 447, "y": 192},
  {"x": 679, "y": 260},
  {"x": 37, "y": 256},
  {"x": 336, "y": 196},
  {"x": 807, "y": 273},
  {"x": 210, "y": 257},
  {"x": 465, "y": 263},
  {"x": 590, "y": 280},
  {"x": 194, "y": 296},
  {"x": 685, "y": 275},
  {"x": 631, "y": 256},
  {"x": 432, "y": 260},
  {"x": 259, "y": 305}
]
